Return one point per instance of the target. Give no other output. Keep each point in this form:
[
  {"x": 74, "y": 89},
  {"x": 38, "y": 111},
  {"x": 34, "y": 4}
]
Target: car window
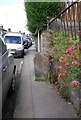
[
  {"x": 2, "y": 47},
  {"x": 28, "y": 39},
  {"x": 13, "y": 39}
]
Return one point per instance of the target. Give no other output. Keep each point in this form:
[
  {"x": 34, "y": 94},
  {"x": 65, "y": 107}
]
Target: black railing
[{"x": 69, "y": 18}]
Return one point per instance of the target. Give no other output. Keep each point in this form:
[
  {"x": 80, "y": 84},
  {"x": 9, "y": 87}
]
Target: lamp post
[
  {"x": 38, "y": 42},
  {"x": 47, "y": 23}
]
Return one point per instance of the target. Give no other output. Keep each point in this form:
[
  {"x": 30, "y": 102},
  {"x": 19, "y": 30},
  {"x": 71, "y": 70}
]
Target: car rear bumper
[
  {"x": 18, "y": 53},
  {"x": 25, "y": 46}
]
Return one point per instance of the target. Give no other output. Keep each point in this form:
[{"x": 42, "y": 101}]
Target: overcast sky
[{"x": 12, "y": 15}]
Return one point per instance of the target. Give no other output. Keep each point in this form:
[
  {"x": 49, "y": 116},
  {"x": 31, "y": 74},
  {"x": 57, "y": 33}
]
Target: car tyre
[
  {"x": 23, "y": 54},
  {"x": 13, "y": 85}
]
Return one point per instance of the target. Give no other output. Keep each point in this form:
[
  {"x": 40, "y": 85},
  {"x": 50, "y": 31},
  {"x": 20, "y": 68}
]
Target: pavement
[{"x": 39, "y": 99}]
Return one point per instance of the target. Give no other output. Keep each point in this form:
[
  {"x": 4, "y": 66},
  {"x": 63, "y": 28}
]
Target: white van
[{"x": 14, "y": 42}]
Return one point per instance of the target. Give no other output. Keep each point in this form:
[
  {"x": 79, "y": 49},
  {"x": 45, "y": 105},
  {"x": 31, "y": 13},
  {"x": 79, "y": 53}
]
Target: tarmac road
[{"x": 9, "y": 105}]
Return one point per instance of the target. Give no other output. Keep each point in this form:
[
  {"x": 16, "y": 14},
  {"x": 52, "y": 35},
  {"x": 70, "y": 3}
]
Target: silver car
[{"x": 7, "y": 73}]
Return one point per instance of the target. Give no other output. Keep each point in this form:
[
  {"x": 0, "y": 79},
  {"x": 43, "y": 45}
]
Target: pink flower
[
  {"x": 66, "y": 64},
  {"x": 74, "y": 83},
  {"x": 74, "y": 63},
  {"x": 59, "y": 75},
  {"x": 79, "y": 46},
  {"x": 70, "y": 49},
  {"x": 60, "y": 67},
  {"x": 61, "y": 60}
]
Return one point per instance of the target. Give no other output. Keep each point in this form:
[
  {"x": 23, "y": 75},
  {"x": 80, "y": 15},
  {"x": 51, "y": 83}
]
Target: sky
[{"x": 12, "y": 15}]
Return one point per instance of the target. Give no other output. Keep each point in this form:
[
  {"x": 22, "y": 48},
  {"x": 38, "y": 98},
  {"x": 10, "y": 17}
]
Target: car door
[
  {"x": 0, "y": 78},
  {"x": 5, "y": 71}
]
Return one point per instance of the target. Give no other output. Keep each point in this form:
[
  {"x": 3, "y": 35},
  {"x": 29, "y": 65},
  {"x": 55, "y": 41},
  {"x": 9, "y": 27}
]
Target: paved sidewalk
[{"x": 39, "y": 99}]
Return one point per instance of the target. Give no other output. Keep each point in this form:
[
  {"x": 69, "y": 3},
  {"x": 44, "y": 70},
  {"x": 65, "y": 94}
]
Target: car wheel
[
  {"x": 13, "y": 84},
  {"x": 22, "y": 54}
]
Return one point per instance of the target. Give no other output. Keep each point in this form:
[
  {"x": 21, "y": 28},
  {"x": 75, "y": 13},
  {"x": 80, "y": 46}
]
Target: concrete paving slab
[{"x": 47, "y": 103}]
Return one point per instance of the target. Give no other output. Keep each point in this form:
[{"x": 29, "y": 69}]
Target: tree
[{"x": 37, "y": 13}]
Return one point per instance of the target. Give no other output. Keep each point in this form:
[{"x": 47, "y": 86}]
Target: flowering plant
[
  {"x": 66, "y": 54},
  {"x": 74, "y": 83}
]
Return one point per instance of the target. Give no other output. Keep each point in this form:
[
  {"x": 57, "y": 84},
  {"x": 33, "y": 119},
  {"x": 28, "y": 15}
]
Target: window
[{"x": 13, "y": 39}]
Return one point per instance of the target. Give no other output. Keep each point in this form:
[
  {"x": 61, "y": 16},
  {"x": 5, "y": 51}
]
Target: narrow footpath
[{"x": 39, "y": 99}]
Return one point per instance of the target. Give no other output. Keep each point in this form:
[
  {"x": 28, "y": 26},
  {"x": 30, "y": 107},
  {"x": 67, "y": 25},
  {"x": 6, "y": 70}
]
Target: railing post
[
  {"x": 67, "y": 26},
  {"x": 64, "y": 18},
  {"x": 73, "y": 10},
  {"x": 70, "y": 21}
]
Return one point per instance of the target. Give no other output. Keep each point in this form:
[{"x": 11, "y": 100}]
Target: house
[{"x": 2, "y": 31}]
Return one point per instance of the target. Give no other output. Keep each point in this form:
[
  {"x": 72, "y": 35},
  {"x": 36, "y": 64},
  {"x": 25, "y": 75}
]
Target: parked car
[
  {"x": 27, "y": 42},
  {"x": 7, "y": 73},
  {"x": 33, "y": 41},
  {"x": 14, "y": 42}
]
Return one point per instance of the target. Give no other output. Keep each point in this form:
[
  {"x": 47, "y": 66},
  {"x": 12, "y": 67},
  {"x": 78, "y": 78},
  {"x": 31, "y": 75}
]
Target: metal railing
[{"x": 69, "y": 19}]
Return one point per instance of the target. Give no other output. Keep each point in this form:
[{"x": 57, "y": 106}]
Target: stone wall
[
  {"x": 44, "y": 43},
  {"x": 74, "y": 96},
  {"x": 56, "y": 25},
  {"x": 41, "y": 65},
  {"x": 40, "y": 60}
]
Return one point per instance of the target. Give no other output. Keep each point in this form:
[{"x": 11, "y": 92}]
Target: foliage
[
  {"x": 65, "y": 52},
  {"x": 37, "y": 13},
  {"x": 41, "y": 78}
]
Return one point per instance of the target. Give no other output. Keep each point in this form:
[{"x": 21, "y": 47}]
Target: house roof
[{"x": 1, "y": 28}]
